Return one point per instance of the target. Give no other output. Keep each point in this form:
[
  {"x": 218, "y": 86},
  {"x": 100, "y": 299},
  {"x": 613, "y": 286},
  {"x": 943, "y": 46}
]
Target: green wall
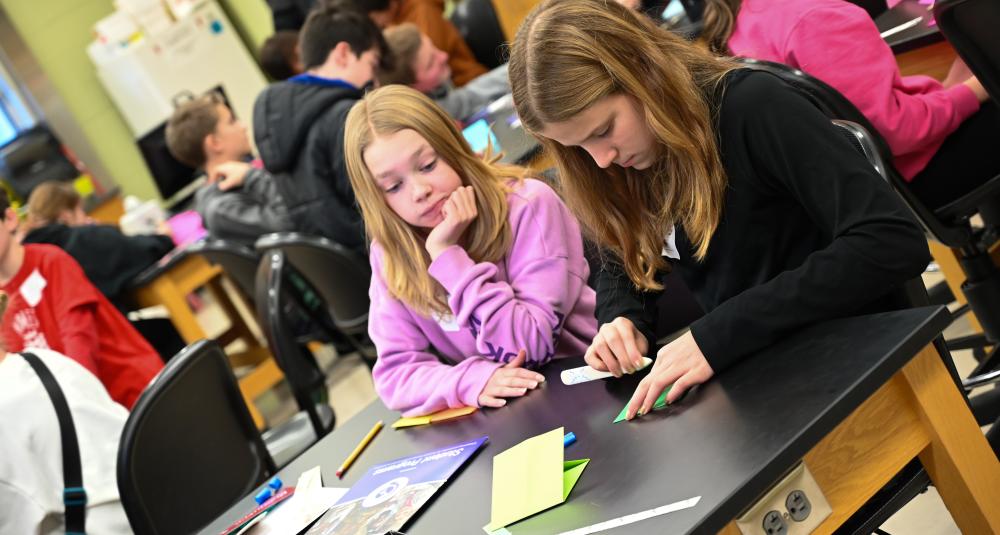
[
  {"x": 253, "y": 20},
  {"x": 58, "y": 31}
]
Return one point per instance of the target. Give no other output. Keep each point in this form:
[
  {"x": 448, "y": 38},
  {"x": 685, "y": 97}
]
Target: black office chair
[
  {"x": 913, "y": 478},
  {"x": 189, "y": 449},
  {"x": 477, "y": 21},
  {"x": 340, "y": 276},
  {"x": 306, "y": 380},
  {"x": 971, "y": 27},
  {"x": 237, "y": 260}
]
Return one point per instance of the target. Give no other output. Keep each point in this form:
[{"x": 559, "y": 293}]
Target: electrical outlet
[
  {"x": 798, "y": 505},
  {"x": 793, "y": 506},
  {"x": 774, "y": 524}
]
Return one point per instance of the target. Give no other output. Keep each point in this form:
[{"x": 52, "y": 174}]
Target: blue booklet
[{"x": 390, "y": 493}]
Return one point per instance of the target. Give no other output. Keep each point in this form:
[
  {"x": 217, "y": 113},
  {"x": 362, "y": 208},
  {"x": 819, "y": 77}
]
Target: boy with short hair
[
  {"x": 424, "y": 67},
  {"x": 299, "y": 123},
  {"x": 239, "y": 202},
  {"x": 52, "y": 305}
]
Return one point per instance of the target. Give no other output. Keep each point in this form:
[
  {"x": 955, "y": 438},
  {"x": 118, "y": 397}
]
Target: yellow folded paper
[
  {"x": 439, "y": 416},
  {"x": 531, "y": 477}
]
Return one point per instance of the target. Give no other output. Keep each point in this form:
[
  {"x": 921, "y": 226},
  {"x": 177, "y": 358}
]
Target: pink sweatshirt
[
  {"x": 838, "y": 43},
  {"x": 535, "y": 298}
]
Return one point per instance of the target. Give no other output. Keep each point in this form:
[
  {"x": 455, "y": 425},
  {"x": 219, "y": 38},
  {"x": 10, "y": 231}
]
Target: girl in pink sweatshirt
[
  {"x": 943, "y": 142},
  {"x": 478, "y": 275}
]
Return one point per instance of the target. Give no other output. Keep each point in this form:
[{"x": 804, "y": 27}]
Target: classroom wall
[
  {"x": 57, "y": 32},
  {"x": 252, "y": 19},
  {"x": 37, "y": 92}
]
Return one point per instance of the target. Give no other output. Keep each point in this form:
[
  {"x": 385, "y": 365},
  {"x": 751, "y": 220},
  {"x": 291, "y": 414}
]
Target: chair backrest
[
  {"x": 477, "y": 21},
  {"x": 971, "y": 27},
  {"x": 864, "y": 143},
  {"x": 189, "y": 449},
  {"x": 237, "y": 260},
  {"x": 274, "y": 299},
  {"x": 836, "y": 106},
  {"x": 339, "y": 275},
  {"x": 913, "y": 292}
]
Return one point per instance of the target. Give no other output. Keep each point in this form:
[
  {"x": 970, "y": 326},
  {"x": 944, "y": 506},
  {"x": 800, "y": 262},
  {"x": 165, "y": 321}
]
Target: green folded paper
[
  {"x": 660, "y": 403},
  {"x": 531, "y": 477}
]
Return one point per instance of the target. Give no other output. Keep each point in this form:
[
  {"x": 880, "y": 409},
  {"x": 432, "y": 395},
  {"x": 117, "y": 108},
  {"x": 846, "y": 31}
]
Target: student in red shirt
[{"x": 52, "y": 305}]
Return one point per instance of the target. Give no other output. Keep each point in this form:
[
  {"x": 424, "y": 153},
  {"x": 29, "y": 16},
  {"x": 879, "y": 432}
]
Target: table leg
[
  {"x": 163, "y": 291},
  {"x": 959, "y": 460},
  {"x": 238, "y": 324}
]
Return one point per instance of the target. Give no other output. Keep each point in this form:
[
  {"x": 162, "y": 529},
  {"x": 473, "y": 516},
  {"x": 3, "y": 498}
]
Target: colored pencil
[{"x": 357, "y": 451}]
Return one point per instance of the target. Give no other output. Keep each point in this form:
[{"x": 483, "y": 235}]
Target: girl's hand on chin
[{"x": 459, "y": 211}]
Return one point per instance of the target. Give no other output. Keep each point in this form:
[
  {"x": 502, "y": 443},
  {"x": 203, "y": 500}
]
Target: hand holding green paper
[
  {"x": 660, "y": 403},
  {"x": 679, "y": 365}
]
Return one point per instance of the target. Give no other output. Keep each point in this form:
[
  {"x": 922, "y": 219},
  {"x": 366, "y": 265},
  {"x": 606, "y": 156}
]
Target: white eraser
[{"x": 583, "y": 374}]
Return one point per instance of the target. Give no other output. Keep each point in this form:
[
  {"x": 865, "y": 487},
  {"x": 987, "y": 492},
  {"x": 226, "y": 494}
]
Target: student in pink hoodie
[
  {"x": 478, "y": 274},
  {"x": 943, "y": 136}
]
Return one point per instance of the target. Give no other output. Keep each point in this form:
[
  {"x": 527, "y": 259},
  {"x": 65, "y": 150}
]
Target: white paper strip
[{"x": 636, "y": 517}]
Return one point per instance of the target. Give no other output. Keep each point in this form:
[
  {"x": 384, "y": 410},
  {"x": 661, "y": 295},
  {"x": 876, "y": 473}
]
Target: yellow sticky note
[
  {"x": 439, "y": 416},
  {"x": 411, "y": 421},
  {"x": 531, "y": 477}
]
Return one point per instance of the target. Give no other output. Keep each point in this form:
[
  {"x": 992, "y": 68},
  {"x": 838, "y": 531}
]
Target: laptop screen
[{"x": 479, "y": 134}]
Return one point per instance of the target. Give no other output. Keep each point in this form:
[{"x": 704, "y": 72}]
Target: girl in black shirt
[
  {"x": 673, "y": 159},
  {"x": 109, "y": 258}
]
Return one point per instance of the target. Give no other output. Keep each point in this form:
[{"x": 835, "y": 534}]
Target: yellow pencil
[{"x": 357, "y": 451}]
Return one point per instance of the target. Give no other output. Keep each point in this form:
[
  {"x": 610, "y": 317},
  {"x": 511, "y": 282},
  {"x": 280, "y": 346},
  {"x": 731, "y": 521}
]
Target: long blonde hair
[
  {"x": 568, "y": 55},
  {"x": 487, "y": 239}
]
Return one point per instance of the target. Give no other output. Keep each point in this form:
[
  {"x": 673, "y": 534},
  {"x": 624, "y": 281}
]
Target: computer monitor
[
  {"x": 33, "y": 157},
  {"x": 170, "y": 175}
]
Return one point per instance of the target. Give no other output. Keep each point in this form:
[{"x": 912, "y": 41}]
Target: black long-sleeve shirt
[
  {"x": 109, "y": 258},
  {"x": 808, "y": 232}
]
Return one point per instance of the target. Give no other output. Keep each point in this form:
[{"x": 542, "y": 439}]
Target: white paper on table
[{"x": 311, "y": 499}]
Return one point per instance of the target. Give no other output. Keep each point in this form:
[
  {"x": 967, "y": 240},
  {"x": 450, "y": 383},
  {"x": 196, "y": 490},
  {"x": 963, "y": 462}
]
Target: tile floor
[{"x": 351, "y": 389}]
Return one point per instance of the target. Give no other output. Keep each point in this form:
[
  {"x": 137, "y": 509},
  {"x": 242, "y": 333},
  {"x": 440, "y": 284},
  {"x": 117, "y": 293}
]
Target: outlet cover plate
[{"x": 752, "y": 521}]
